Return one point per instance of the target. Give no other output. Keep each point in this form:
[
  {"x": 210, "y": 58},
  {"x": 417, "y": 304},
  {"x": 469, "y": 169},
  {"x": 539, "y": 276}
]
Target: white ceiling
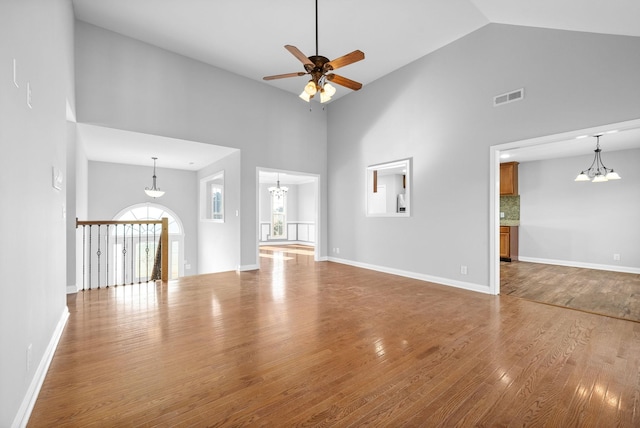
[
  {"x": 247, "y": 38},
  {"x": 132, "y": 148},
  {"x": 582, "y": 145}
]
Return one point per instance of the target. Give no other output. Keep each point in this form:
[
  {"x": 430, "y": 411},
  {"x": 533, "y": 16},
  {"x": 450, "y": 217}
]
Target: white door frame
[
  {"x": 494, "y": 185},
  {"x": 318, "y": 225}
]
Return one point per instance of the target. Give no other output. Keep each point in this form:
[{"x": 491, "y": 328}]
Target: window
[
  {"x": 278, "y": 215},
  {"x": 216, "y": 202},
  {"x": 144, "y": 243},
  {"x": 212, "y": 198}
]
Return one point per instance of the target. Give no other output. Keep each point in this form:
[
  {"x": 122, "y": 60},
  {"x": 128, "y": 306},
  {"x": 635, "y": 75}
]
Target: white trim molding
[
  {"x": 414, "y": 275},
  {"x": 244, "y": 268},
  {"x": 24, "y": 412},
  {"x": 569, "y": 263}
]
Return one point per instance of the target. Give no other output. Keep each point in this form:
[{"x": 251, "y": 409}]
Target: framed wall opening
[
  {"x": 302, "y": 219},
  {"x": 549, "y": 141}
]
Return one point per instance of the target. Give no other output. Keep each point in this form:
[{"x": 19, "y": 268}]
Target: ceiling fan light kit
[{"x": 319, "y": 68}]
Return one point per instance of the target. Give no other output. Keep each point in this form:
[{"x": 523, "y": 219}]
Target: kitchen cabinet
[
  {"x": 509, "y": 178},
  {"x": 508, "y": 243}
]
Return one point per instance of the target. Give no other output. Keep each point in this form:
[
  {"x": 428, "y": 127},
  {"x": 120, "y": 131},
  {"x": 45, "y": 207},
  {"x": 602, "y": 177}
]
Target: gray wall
[
  {"x": 126, "y": 84},
  {"x": 306, "y": 202},
  {"x": 586, "y": 223},
  {"x": 114, "y": 187},
  {"x": 39, "y": 34},
  {"x": 439, "y": 111},
  {"x": 219, "y": 243}
]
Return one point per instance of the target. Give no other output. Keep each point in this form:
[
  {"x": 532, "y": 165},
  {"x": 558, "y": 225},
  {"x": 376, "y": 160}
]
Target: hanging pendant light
[
  {"x": 154, "y": 191},
  {"x": 597, "y": 172},
  {"x": 278, "y": 191}
]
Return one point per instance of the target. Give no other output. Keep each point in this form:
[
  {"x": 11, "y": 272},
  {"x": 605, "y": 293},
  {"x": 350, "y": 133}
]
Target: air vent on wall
[{"x": 509, "y": 97}]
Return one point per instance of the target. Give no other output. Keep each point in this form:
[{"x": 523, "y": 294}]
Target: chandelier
[
  {"x": 154, "y": 191},
  {"x": 277, "y": 190},
  {"x": 597, "y": 172}
]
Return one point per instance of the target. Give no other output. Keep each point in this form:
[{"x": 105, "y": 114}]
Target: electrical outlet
[
  {"x": 463, "y": 270},
  {"x": 501, "y": 214},
  {"x": 616, "y": 257},
  {"x": 337, "y": 250}
]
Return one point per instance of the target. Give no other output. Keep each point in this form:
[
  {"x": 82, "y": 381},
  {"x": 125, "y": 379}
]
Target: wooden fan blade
[
  {"x": 347, "y": 59},
  {"x": 282, "y": 76},
  {"x": 298, "y": 54},
  {"x": 343, "y": 81}
]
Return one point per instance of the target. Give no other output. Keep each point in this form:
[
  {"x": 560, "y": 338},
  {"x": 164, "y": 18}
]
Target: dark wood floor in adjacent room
[
  {"x": 615, "y": 294},
  {"x": 324, "y": 344}
]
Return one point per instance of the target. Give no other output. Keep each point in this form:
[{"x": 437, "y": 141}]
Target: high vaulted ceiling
[{"x": 247, "y": 37}]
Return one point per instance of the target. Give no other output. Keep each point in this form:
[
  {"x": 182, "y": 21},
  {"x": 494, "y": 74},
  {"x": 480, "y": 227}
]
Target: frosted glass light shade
[
  {"x": 154, "y": 193},
  {"x": 329, "y": 89},
  {"x": 599, "y": 179},
  {"x": 311, "y": 88},
  {"x": 305, "y": 96},
  {"x": 324, "y": 97},
  {"x": 582, "y": 177},
  {"x": 613, "y": 176}
]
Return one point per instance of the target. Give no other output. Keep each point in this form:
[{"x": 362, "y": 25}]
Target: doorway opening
[
  {"x": 292, "y": 217},
  {"x": 560, "y": 143}
]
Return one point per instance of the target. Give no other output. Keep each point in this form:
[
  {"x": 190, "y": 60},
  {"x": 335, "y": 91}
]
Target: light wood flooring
[
  {"x": 300, "y": 343},
  {"x": 608, "y": 293}
]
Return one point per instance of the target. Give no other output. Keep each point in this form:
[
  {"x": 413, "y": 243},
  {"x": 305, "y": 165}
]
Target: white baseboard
[
  {"x": 245, "y": 268},
  {"x": 24, "y": 413},
  {"x": 414, "y": 275},
  {"x": 72, "y": 289},
  {"x": 310, "y": 244},
  {"x": 612, "y": 268}
]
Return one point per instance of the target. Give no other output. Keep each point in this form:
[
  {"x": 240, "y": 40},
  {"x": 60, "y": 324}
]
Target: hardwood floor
[
  {"x": 608, "y": 293},
  {"x": 300, "y": 343}
]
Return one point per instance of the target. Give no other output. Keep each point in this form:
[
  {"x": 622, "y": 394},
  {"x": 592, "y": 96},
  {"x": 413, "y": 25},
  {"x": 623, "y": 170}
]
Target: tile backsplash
[{"x": 510, "y": 206}]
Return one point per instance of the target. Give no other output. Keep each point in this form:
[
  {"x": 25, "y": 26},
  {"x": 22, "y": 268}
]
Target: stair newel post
[{"x": 164, "y": 244}]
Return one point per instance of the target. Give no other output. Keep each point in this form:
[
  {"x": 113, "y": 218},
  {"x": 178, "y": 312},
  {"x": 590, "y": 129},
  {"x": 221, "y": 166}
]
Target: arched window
[{"x": 149, "y": 211}]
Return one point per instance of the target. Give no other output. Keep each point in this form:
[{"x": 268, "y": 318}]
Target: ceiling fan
[{"x": 319, "y": 68}]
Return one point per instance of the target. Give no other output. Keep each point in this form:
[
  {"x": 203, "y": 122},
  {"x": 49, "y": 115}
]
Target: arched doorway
[{"x": 150, "y": 211}]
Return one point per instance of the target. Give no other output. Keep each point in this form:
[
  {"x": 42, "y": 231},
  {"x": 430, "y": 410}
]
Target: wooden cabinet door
[
  {"x": 509, "y": 178},
  {"x": 504, "y": 242}
]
